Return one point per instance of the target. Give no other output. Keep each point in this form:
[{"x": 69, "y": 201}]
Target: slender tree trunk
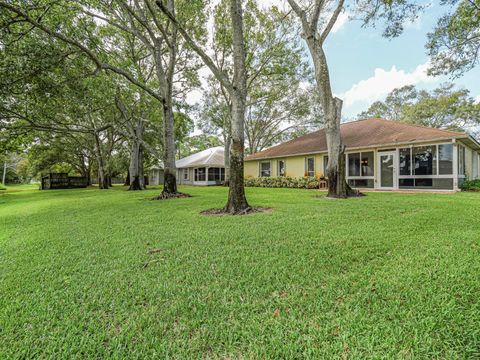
[
  {"x": 127, "y": 179},
  {"x": 170, "y": 181},
  {"x": 102, "y": 180},
  {"x": 4, "y": 175},
  {"x": 227, "y": 159},
  {"x": 237, "y": 201},
  {"x": 136, "y": 167},
  {"x": 337, "y": 184}
]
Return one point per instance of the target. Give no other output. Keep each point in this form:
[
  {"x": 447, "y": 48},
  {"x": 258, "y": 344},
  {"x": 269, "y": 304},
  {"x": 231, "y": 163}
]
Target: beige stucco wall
[{"x": 294, "y": 166}]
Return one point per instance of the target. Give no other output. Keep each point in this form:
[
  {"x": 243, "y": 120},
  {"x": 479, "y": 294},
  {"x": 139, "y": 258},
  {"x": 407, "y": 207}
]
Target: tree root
[
  {"x": 246, "y": 211},
  {"x": 166, "y": 195}
]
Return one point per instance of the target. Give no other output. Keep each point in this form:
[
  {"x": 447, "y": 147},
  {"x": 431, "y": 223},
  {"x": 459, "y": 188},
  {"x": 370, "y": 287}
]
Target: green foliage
[
  {"x": 87, "y": 274},
  {"x": 444, "y": 107},
  {"x": 306, "y": 182},
  {"x": 2, "y": 187},
  {"x": 471, "y": 185},
  {"x": 454, "y": 43}
]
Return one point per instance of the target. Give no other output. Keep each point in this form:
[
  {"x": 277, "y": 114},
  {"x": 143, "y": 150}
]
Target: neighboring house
[
  {"x": 155, "y": 175},
  {"x": 380, "y": 154},
  {"x": 206, "y": 167}
]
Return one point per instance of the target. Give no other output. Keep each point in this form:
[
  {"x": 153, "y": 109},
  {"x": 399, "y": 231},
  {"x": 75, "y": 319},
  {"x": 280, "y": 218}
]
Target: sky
[{"x": 365, "y": 67}]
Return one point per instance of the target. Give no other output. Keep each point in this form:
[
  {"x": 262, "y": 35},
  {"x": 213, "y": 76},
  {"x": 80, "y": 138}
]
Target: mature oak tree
[{"x": 317, "y": 18}]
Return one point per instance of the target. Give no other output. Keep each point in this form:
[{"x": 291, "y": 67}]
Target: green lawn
[{"x": 383, "y": 276}]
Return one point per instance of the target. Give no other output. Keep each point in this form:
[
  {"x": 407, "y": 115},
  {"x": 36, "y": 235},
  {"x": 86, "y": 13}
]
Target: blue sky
[{"x": 365, "y": 66}]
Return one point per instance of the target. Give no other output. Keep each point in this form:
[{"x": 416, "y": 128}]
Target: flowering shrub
[{"x": 306, "y": 182}]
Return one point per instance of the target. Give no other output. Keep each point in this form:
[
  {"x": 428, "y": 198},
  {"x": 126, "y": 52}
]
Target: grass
[{"x": 86, "y": 274}]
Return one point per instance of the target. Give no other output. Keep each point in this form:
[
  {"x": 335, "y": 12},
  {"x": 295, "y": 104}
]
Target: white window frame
[
  {"x": 260, "y": 168},
  {"x": 186, "y": 174},
  {"x": 284, "y": 167},
  {"x": 306, "y": 166}
]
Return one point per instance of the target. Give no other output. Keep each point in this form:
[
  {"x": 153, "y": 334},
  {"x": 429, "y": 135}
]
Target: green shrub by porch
[{"x": 306, "y": 182}]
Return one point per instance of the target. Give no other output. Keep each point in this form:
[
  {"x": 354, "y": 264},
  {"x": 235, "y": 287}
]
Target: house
[
  {"x": 155, "y": 175},
  {"x": 206, "y": 167},
  {"x": 380, "y": 154}
]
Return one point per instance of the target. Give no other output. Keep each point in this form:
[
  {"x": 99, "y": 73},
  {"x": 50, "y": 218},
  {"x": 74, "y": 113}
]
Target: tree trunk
[
  {"x": 4, "y": 175},
  {"x": 337, "y": 183},
  {"x": 127, "y": 179},
  {"x": 136, "y": 166},
  {"x": 227, "y": 159},
  {"x": 170, "y": 180},
  {"x": 237, "y": 201},
  {"x": 102, "y": 180}
]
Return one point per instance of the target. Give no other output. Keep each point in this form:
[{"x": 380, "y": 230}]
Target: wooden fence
[{"x": 62, "y": 181}]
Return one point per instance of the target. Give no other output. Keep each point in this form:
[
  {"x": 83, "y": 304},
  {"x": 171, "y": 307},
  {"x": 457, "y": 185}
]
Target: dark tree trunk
[
  {"x": 170, "y": 181},
  {"x": 127, "y": 179},
  {"x": 136, "y": 158}
]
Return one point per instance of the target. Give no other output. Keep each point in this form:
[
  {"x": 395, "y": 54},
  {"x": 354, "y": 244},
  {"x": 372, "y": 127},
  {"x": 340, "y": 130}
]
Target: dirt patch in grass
[{"x": 222, "y": 212}]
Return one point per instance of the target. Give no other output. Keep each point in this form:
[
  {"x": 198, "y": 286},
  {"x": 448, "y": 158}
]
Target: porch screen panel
[
  {"x": 367, "y": 163},
  {"x": 445, "y": 159},
  {"x": 425, "y": 160},
  {"x": 405, "y": 161},
  {"x": 354, "y": 164}
]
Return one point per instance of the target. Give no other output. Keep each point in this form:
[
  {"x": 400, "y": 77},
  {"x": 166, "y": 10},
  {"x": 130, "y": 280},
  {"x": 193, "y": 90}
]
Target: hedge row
[{"x": 307, "y": 182}]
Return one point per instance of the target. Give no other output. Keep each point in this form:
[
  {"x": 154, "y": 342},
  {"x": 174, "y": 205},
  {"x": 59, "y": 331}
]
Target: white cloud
[
  {"x": 477, "y": 99},
  {"x": 382, "y": 82}
]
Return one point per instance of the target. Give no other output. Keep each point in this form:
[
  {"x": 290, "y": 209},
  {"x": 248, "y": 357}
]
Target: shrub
[
  {"x": 2, "y": 187},
  {"x": 471, "y": 185},
  {"x": 306, "y": 182}
]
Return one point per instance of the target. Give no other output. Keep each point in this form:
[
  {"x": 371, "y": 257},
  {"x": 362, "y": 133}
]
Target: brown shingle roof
[{"x": 359, "y": 134}]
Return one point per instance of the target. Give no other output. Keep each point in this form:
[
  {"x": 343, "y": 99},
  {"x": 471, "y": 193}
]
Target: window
[
  {"x": 281, "y": 168},
  {"x": 461, "y": 160},
  {"x": 361, "y": 164},
  {"x": 310, "y": 166},
  {"x": 200, "y": 174},
  {"x": 445, "y": 159},
  {"x": 425, "y": 160},
  {"x": 216, "y": 174},
  {"x": 265, "y": 169},
  {"x": 185, "y": 174}
]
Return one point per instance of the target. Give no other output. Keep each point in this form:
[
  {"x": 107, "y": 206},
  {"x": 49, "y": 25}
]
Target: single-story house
[
  {"x": 155, "y": 175},
  {"x": 206, "y": 167},
  {"x": 380, "y": 154}
]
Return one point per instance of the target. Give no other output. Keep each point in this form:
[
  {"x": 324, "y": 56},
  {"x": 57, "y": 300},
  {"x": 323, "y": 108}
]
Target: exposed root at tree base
[
  {"x": 351, "y": 194},
  {"x": 165, "y": 196},
  {"x": 247, "y": 211}
]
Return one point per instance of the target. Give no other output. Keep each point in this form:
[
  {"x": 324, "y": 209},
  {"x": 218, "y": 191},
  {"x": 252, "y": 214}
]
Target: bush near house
[
  {"x": 306, "y": 182},
  {"x": 471, "y": 185}
]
